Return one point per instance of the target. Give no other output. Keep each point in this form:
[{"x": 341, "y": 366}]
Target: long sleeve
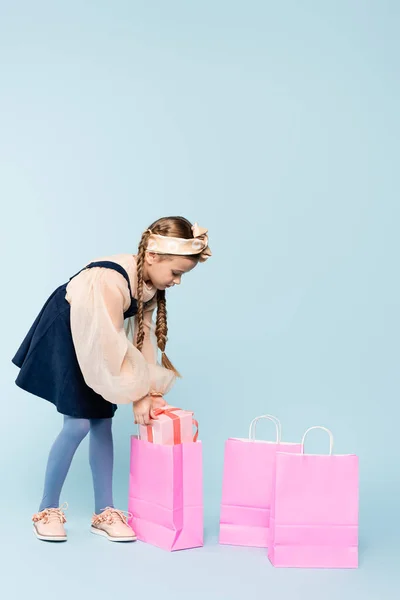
[{"x": 111, "y": 365}]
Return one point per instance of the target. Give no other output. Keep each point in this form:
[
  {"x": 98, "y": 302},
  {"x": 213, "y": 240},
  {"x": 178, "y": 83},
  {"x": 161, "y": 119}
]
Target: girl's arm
[{"x": 110, "y": 363}]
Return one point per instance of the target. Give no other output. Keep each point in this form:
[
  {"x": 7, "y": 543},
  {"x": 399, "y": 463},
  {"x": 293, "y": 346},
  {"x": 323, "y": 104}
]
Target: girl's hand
[
  {"x": 142, "y": 410},
  {"x": 158, "y": 402}
]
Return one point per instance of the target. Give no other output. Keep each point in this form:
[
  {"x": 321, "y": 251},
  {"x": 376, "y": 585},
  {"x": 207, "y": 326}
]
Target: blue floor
[{"x": 93, "y": 566}]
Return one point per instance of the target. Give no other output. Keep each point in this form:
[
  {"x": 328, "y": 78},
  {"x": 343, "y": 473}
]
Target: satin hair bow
[{"x": 201, "y": 234}]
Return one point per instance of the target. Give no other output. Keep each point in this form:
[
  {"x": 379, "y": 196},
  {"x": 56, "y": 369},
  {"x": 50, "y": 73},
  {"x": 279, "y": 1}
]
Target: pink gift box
[{"x": 172, "y": 426}]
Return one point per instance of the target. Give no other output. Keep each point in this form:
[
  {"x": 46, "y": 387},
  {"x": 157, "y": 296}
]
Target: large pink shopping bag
[
  {"x": 247, "y": 487},
  {"x": 314, "y": 518},
  {"x": 166, "y": 494}
]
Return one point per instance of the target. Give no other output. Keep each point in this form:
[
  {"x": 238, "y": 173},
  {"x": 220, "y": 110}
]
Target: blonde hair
[{"x": 169, "y": 227}]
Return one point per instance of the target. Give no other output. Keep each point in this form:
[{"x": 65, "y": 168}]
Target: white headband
[{"x": 198, "y": 244}]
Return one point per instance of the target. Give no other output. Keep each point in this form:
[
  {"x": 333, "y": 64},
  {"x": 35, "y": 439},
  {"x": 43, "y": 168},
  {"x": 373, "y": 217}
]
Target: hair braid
[
  {"x": 140, "y": 264},
  {"x": 162, "y": 330},
  {"x": 166, "y": 226}
]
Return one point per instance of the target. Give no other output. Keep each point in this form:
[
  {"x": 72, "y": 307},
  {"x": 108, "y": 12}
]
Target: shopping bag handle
[
  {"x": 275, "y": 421},
  {"x": 329, "y": 432}
]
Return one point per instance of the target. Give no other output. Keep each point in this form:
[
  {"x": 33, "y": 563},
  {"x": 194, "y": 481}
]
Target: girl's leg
[
  {"x": 61, "y": 454},
  {"x": 101, "y": 458}
]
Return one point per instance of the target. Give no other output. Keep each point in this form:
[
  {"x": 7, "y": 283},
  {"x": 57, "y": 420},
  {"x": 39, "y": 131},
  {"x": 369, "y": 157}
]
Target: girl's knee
[
  {"x": 77, "y": 428},
  {"x": 101, "y": 424}
]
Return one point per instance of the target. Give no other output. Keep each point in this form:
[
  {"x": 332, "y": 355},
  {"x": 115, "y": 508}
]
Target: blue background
[{"x": 276, "y": 125}]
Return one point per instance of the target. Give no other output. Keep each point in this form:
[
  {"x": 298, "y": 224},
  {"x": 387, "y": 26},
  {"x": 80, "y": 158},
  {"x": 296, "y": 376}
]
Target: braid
[
  {"x": 140, "y": 263},
  {"x": 162, "y": 330},
  {"x": 161, "y": 320}
]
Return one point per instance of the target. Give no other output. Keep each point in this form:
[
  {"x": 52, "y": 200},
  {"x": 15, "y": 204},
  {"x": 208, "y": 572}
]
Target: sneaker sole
[
  {"x": 111, "y": 538},
  {"x": 49, "y": 538}
]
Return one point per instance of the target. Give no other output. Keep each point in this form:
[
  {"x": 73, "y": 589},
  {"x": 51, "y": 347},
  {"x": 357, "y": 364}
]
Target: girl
[{"x": 79, "y": 356}]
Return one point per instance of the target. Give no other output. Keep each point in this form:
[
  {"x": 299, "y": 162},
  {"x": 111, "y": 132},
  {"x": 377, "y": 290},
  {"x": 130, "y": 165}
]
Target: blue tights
[{"x": 101, "y": 458}]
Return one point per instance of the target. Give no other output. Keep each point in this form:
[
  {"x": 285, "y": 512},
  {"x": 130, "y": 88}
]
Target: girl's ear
[{"x": 150, "y": 258}]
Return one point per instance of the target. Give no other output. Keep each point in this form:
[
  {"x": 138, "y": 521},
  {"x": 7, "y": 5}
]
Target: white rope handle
[
  {"x": 328, "y": 431},
  {"x": 275, "y": 421}
]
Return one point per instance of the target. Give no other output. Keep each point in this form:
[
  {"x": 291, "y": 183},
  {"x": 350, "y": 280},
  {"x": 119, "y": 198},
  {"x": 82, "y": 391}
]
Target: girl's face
[{"x": 166, "y": 271}]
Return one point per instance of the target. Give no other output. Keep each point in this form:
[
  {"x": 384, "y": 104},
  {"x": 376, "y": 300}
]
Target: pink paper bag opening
[
  {"x": 247, "y": 487},
  {"x": 314, "y": 513},
  {"x": 166, "y": 494}
]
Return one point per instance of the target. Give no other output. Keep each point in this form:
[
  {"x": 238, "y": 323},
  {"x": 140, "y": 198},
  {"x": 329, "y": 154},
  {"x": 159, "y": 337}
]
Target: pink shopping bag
[
  {"x": 166, "y": 495},
  {"x": 247, "y": 486},
  {"x": 314, "y": 517}
]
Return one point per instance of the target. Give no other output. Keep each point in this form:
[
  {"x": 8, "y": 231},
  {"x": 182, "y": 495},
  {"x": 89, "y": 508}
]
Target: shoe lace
[
  {"x": 51, "y": 514},
  {"x": 110, "y": 515}
]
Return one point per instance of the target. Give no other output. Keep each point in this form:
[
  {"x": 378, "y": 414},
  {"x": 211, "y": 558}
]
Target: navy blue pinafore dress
[{"x": 47, "y": 359}]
